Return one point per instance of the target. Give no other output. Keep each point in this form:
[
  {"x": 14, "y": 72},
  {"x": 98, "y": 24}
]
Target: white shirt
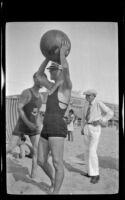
[
  {"x": 70, "y": 126},
  {"x": 98, "y": 111}
]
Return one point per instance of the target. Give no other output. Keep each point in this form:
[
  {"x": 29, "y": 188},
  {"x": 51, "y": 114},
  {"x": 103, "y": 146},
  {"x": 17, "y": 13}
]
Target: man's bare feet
[
  {"x": 51, "y": 188},
  {"x": 55, "y": 192}
]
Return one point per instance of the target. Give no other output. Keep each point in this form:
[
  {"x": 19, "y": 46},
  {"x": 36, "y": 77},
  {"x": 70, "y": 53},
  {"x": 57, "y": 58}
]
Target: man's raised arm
[
  {"x": 42, "y": 67},
  {"x": 64, "y": 63}
]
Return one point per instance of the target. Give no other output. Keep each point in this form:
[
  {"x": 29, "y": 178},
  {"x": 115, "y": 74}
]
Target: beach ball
[{"x": 51, "y": 42}]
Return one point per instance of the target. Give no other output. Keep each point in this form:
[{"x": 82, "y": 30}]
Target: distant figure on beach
[
  {"x": 29, "y": 121},
  {"x": 92, "y": 120},
  {"x": 70, "y": 125},
  {"x": 54, "y": 126}
]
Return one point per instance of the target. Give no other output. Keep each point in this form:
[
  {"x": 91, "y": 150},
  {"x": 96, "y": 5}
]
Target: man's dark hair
[{"x": 23, "y": 138}]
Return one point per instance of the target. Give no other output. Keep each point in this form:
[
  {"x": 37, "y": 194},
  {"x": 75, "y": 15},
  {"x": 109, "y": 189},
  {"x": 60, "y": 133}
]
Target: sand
[{"x": 18, "y": 170}]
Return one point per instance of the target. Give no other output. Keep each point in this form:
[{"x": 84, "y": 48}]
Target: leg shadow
[
  {"x": 70, "y": 168},
  {"x": 108, "y": 162},
  {"x": 13, "y": 167},
  {"x": 20, "y": 174},
  {"x": 105, "y": 161},
  {"x": 42, "y": 185}
]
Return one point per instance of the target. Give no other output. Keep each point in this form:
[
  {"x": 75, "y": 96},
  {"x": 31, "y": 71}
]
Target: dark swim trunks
[
  {"x": 54, "y": 124},
  {"x": 21, "y": 129}
]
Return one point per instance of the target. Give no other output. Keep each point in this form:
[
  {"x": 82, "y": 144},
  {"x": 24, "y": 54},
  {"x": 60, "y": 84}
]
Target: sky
[{"x": 93, "y": 59}]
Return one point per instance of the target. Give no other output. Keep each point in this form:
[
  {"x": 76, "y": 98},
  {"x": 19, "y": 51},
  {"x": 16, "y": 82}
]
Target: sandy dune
[{"x": 18, "y": 181}]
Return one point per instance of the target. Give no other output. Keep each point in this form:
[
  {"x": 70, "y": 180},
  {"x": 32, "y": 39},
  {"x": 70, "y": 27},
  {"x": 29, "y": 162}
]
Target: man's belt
[{"x": 94, "y": 123}]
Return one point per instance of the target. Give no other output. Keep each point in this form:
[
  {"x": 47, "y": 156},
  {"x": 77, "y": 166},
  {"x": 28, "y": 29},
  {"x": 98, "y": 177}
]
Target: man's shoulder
[
  {"x": 102, "y": 105},
  {"x": 97, "y": 101},
  {"x": 100, "y": 102},
  {"x": 26, "y": 92}
]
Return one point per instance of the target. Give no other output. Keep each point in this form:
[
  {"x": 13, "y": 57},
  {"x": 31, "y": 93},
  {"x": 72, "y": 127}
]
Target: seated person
[{"x": 23, "y": 148}]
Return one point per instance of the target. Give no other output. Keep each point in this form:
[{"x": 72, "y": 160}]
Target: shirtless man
[{"x": 54, "y": 126}]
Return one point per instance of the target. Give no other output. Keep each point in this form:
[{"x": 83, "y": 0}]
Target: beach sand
[{"x": 18, "y": 170}]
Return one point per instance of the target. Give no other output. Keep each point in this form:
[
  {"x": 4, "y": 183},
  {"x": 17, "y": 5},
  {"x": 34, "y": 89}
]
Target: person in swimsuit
[
  {"x": 54, "y": 126},
  {"x": 29, "y": 121}
]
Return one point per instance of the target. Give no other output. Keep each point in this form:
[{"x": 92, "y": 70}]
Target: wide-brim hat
[
  {"x": 89, "y": 92},
  {"x": 53, "y": 66}
]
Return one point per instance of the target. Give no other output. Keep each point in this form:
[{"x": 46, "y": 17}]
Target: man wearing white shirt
[{"x": 95, "y": 115}]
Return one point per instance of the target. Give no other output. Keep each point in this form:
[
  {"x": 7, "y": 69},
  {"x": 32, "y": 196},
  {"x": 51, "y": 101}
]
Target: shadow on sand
[
  {"x": 105, "y": 161},
  {"x": 20, "y": 174},
  {"x": 70, "y": 168}
]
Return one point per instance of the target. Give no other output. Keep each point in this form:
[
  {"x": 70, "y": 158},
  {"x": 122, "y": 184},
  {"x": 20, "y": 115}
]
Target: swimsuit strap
[
  {"x": 63, "y": 103},
  {"x": 59, "y": 100}
]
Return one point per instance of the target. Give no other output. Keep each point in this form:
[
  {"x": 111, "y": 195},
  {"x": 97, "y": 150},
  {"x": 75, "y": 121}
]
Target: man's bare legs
[
  {"x": 34, "y": 140},
  {"x": 57, "y": 149},
  {"x": 71, "y": 135},
  {"x": 43, "y": 151}
]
